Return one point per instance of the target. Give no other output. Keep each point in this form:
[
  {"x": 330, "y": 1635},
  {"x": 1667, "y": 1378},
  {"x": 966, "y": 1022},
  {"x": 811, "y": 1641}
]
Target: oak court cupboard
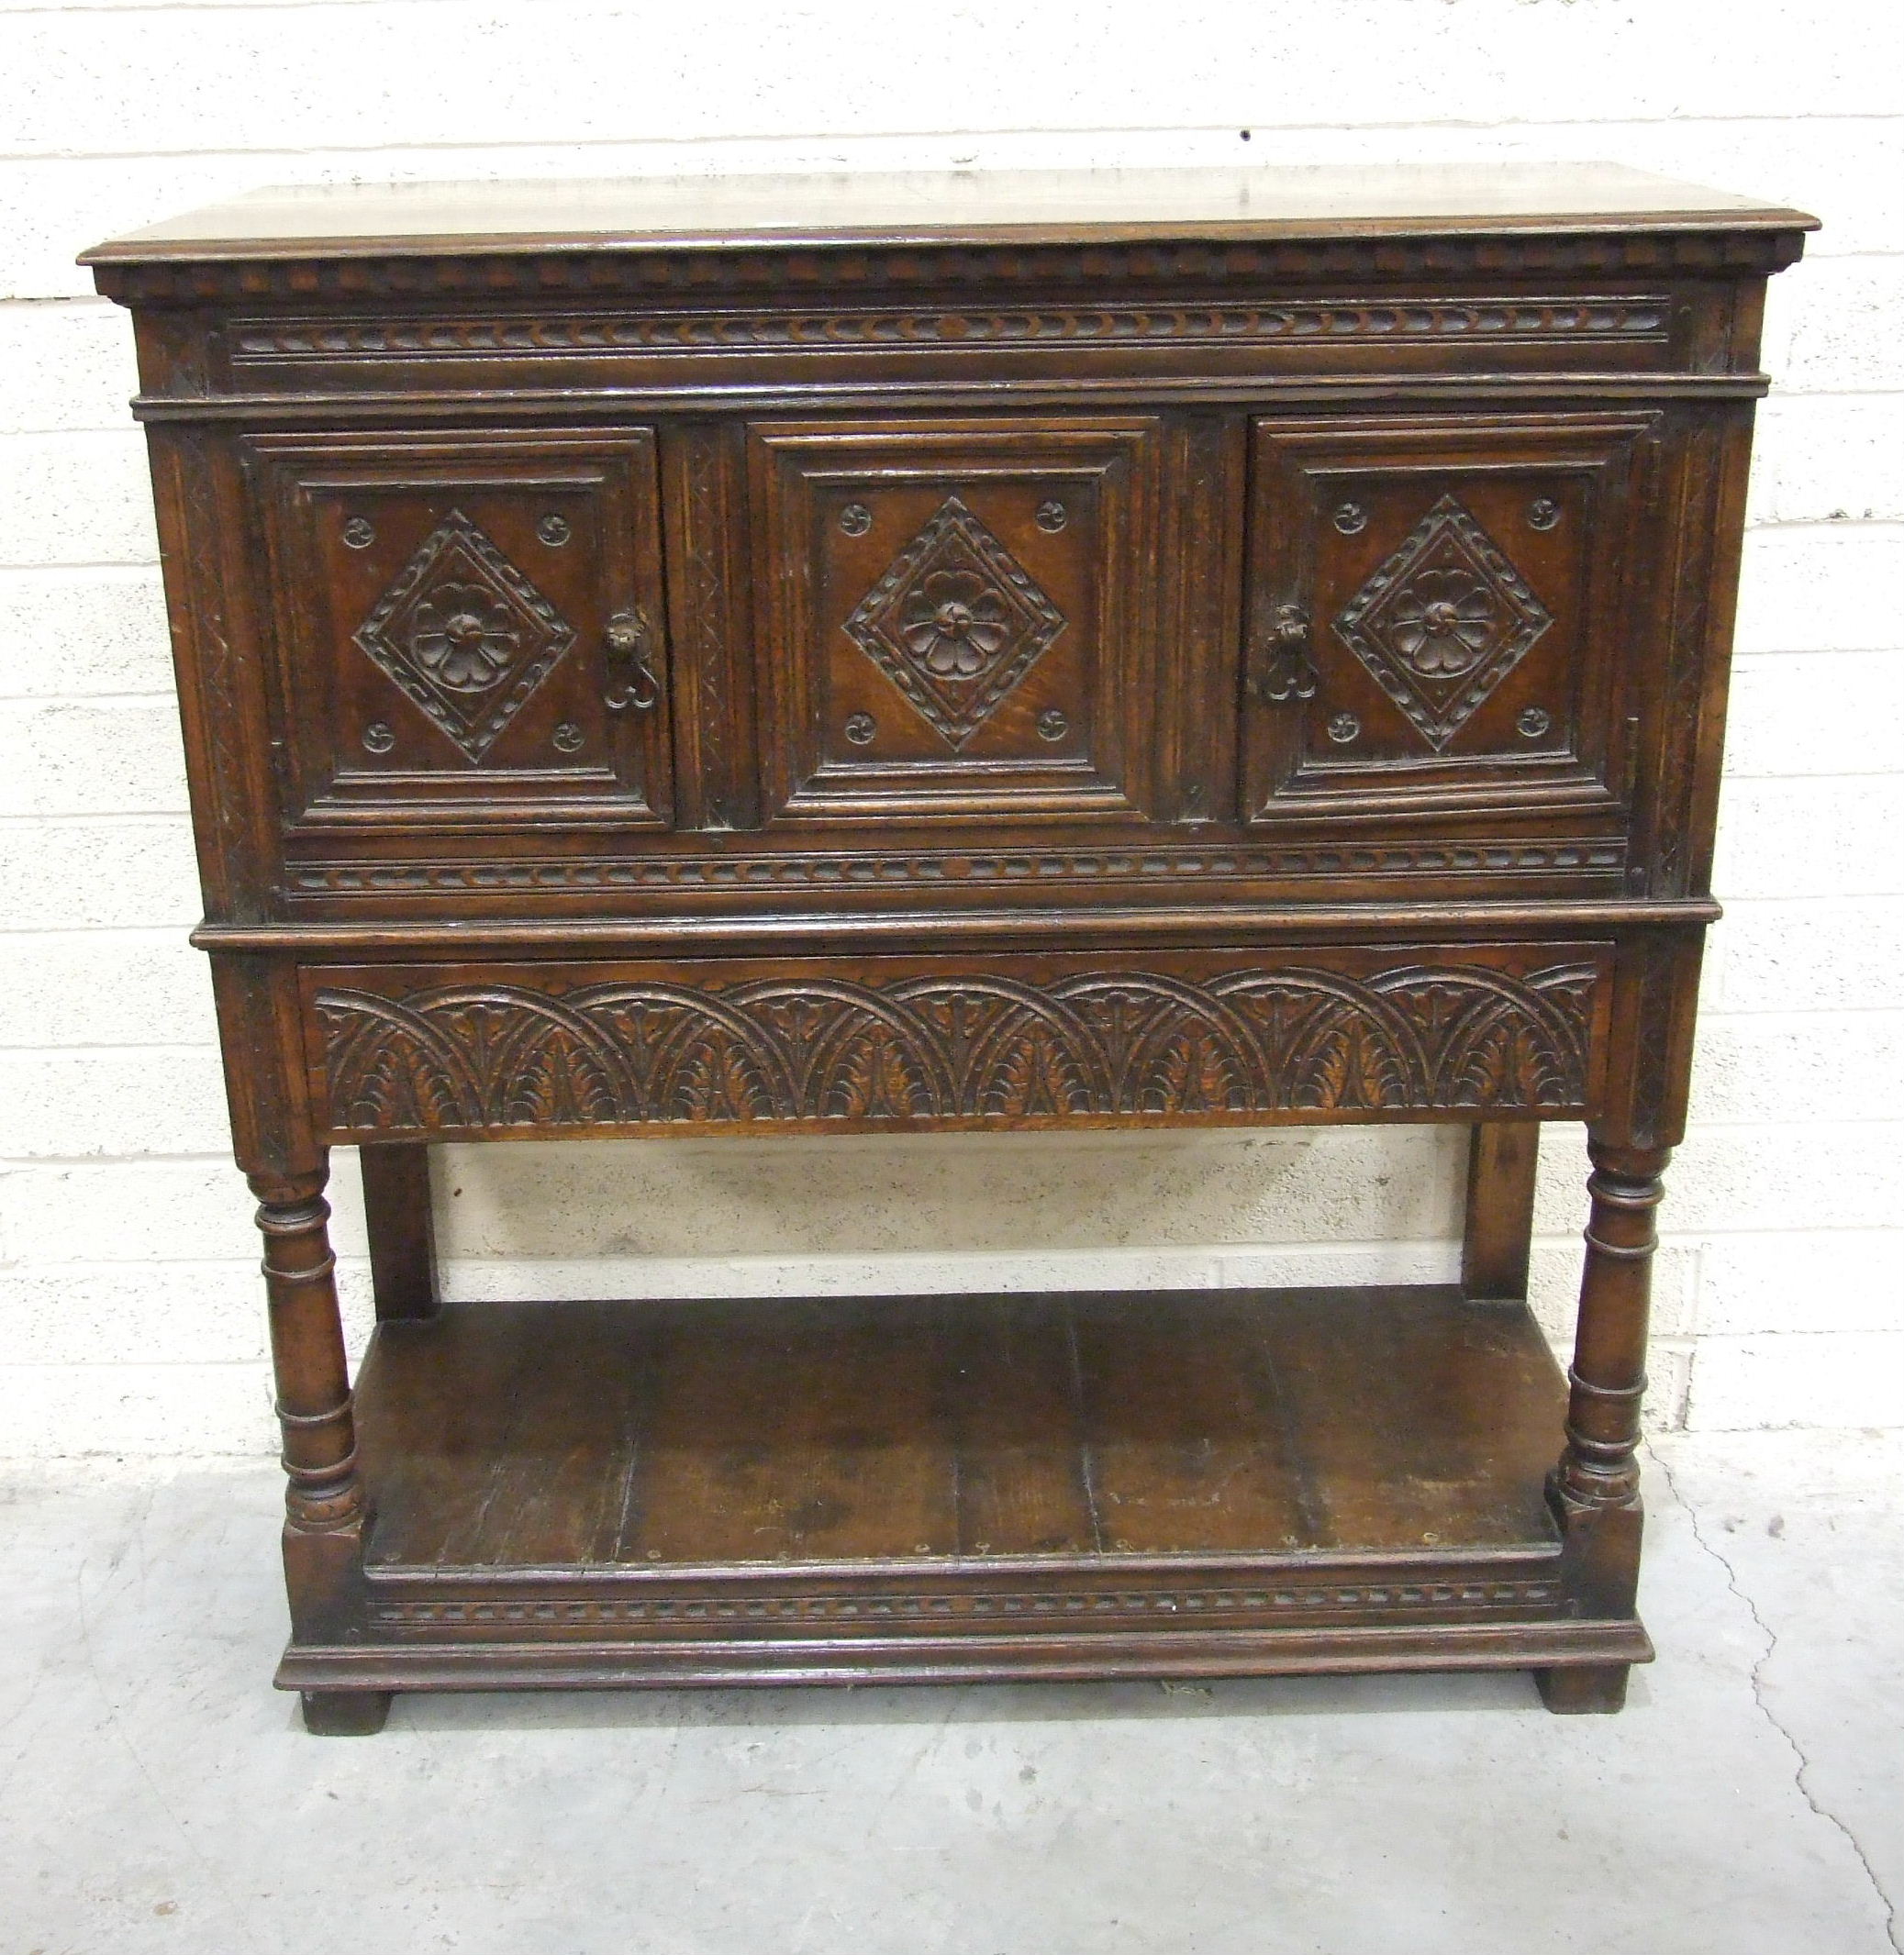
[{"x": 985, "y": 652}]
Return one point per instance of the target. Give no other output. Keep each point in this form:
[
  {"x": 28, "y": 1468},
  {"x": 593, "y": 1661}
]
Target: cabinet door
[
  {"x": 1443, "y": 613},
  {"x": 468, "y": 627},
  {"x": 959, "y": 616}
]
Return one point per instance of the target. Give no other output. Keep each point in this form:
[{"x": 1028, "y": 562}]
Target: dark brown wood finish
[
  {"x": 1503, "y": 1156},
  {"x": 400, "y": 1219},
  {"x": 996, "y": 652}
]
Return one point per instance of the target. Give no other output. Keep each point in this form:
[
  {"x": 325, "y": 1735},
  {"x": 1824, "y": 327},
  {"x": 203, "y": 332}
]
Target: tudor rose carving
[
  {"x": 1111, "y": 1042},
  {"x": 1442, "y": 621},
  {"x": 464, "y": 635},
  {"x": 955, "y": 622}
]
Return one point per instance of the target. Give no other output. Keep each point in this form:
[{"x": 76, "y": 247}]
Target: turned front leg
[
  {"x": 307, "y": 1353},
  {"x": 323, "y": 1497},
  {"x": 1597, "y": 1485},
  {"x": 1599, "y": 1467}
]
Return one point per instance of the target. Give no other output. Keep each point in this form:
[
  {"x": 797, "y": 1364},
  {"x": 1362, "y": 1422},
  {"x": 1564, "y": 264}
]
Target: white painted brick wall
[{"x": 130, "y": 1314}]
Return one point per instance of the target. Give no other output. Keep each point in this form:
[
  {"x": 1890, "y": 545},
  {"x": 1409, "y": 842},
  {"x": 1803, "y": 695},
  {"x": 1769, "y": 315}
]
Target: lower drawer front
[{"x": 876, "y": 1044}]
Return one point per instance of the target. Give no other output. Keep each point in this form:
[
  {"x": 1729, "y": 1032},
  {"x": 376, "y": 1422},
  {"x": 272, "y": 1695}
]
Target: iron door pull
[
  {"x": 1281, "y": 669},
  {"x": 631, "y": 679}
]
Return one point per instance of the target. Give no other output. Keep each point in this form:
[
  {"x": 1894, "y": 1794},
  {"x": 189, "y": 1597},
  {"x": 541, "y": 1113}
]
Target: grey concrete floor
[{"x": 155, "y": 1795}]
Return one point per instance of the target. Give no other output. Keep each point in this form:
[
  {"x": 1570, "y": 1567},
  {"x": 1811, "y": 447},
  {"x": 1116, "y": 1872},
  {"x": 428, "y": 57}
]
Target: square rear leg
[
  {"x": 1577, "y": 1689},
  {"x": 345, "y": 1713}
]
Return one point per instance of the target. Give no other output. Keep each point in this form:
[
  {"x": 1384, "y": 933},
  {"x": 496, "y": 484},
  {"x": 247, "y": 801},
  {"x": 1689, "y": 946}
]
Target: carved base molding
[
  {"x": 477, "y": 1615},
  {"x": 1163, "y": 1647},
  {"x": 907, "y": 1042}
]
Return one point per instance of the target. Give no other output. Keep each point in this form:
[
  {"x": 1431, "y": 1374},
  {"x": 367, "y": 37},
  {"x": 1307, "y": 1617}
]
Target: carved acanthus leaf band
[
  {"x": 766, "y": 871},
  {"x": 1141, "y": 1045},
  {"x": 1539, "y": 320},
  {"x": 1043, "y": 1606}
]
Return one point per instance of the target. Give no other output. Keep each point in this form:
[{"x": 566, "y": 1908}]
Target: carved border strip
[
  {"x": 1541, "y": 321},
  {"x": 959, "y": 1605},
  {"x": 970, "y": 1049},
  {"x": 567, "y": 873}
]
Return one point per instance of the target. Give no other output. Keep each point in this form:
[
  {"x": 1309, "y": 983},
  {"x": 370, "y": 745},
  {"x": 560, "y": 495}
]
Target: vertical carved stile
[
  {"x": 703, "y": 518},
  {"x": 1680, "y": 707},
  {"x": 1202, "y": 612}
]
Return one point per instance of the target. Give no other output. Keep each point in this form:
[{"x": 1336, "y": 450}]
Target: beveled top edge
[{"x": 926, "y": 209}]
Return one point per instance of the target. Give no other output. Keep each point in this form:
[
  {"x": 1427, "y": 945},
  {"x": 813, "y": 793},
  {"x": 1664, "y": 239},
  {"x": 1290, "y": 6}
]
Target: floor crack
[{"x": 1892, "y": 1926}]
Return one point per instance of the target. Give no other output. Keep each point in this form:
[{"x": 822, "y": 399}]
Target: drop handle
[
  {"x": 1281, "y": 671},
  {"x": 631, "y": 679}
]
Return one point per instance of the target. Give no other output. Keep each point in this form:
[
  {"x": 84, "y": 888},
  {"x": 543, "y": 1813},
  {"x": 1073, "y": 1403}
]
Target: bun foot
[
  {"x": 1583, "y": 1687},
  {"x": 345, "y": 1713}
]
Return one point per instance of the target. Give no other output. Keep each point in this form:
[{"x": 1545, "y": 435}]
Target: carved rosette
[
  {"x": 1136, "y": 1045},
  {"x": 955, "y": 622},
  {"x": 1443, "y": 622},
  {"x": 464, "y": 635}
]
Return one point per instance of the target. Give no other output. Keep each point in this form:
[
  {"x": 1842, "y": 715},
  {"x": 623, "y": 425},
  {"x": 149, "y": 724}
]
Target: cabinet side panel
[{"x": 203, "y": 547}]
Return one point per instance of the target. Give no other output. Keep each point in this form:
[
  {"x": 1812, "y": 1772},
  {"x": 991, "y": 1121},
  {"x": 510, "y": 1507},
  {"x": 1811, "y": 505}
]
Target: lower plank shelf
[{"x": 1055, "y": 1485}]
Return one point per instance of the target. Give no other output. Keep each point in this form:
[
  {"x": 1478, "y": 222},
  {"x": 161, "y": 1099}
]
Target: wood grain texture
[
  {"x": 1075, "y": 206},
  {"x": 1498, "y": 1228},
  {"x": 400, "y": 1220},
  {"x": 956, "y": 1438},
  {"x": 921, "y": 1489}
]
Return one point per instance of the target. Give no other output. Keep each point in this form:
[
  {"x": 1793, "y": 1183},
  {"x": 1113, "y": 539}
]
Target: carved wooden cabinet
[{"x": 986, "y": 653}]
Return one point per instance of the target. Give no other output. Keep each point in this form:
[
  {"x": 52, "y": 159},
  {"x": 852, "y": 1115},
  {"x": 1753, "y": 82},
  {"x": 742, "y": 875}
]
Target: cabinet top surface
[{"x": 1020, "y": 207}]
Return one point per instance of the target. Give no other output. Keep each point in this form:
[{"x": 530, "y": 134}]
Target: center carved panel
[
  {"x": 955, "y": 622},
  {"x": 1443, "y": 622},
  {"x": 963, "y": 1048},
  {"x": 464, "y": 635}
]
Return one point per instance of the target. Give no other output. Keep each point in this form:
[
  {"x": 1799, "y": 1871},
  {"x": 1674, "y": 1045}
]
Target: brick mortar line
[{"x": 757, "y": 142}]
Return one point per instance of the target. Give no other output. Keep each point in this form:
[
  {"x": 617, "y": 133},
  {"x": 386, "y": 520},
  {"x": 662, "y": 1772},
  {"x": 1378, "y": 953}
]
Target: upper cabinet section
[
  {"x": 466, "y": 628},
  {"x": 1141, "y": 544}
]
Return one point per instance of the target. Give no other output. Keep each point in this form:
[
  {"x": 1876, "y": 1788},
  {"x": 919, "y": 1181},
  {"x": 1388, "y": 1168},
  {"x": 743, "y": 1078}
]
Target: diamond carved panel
[
  {"x": 464, "y": 635},
  {"x": 1443, "y": 622},
  {"x": 955, "y": 622}
]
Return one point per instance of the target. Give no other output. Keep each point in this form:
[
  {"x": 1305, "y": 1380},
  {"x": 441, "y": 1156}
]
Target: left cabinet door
[{"x": 467, "y": 628}]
